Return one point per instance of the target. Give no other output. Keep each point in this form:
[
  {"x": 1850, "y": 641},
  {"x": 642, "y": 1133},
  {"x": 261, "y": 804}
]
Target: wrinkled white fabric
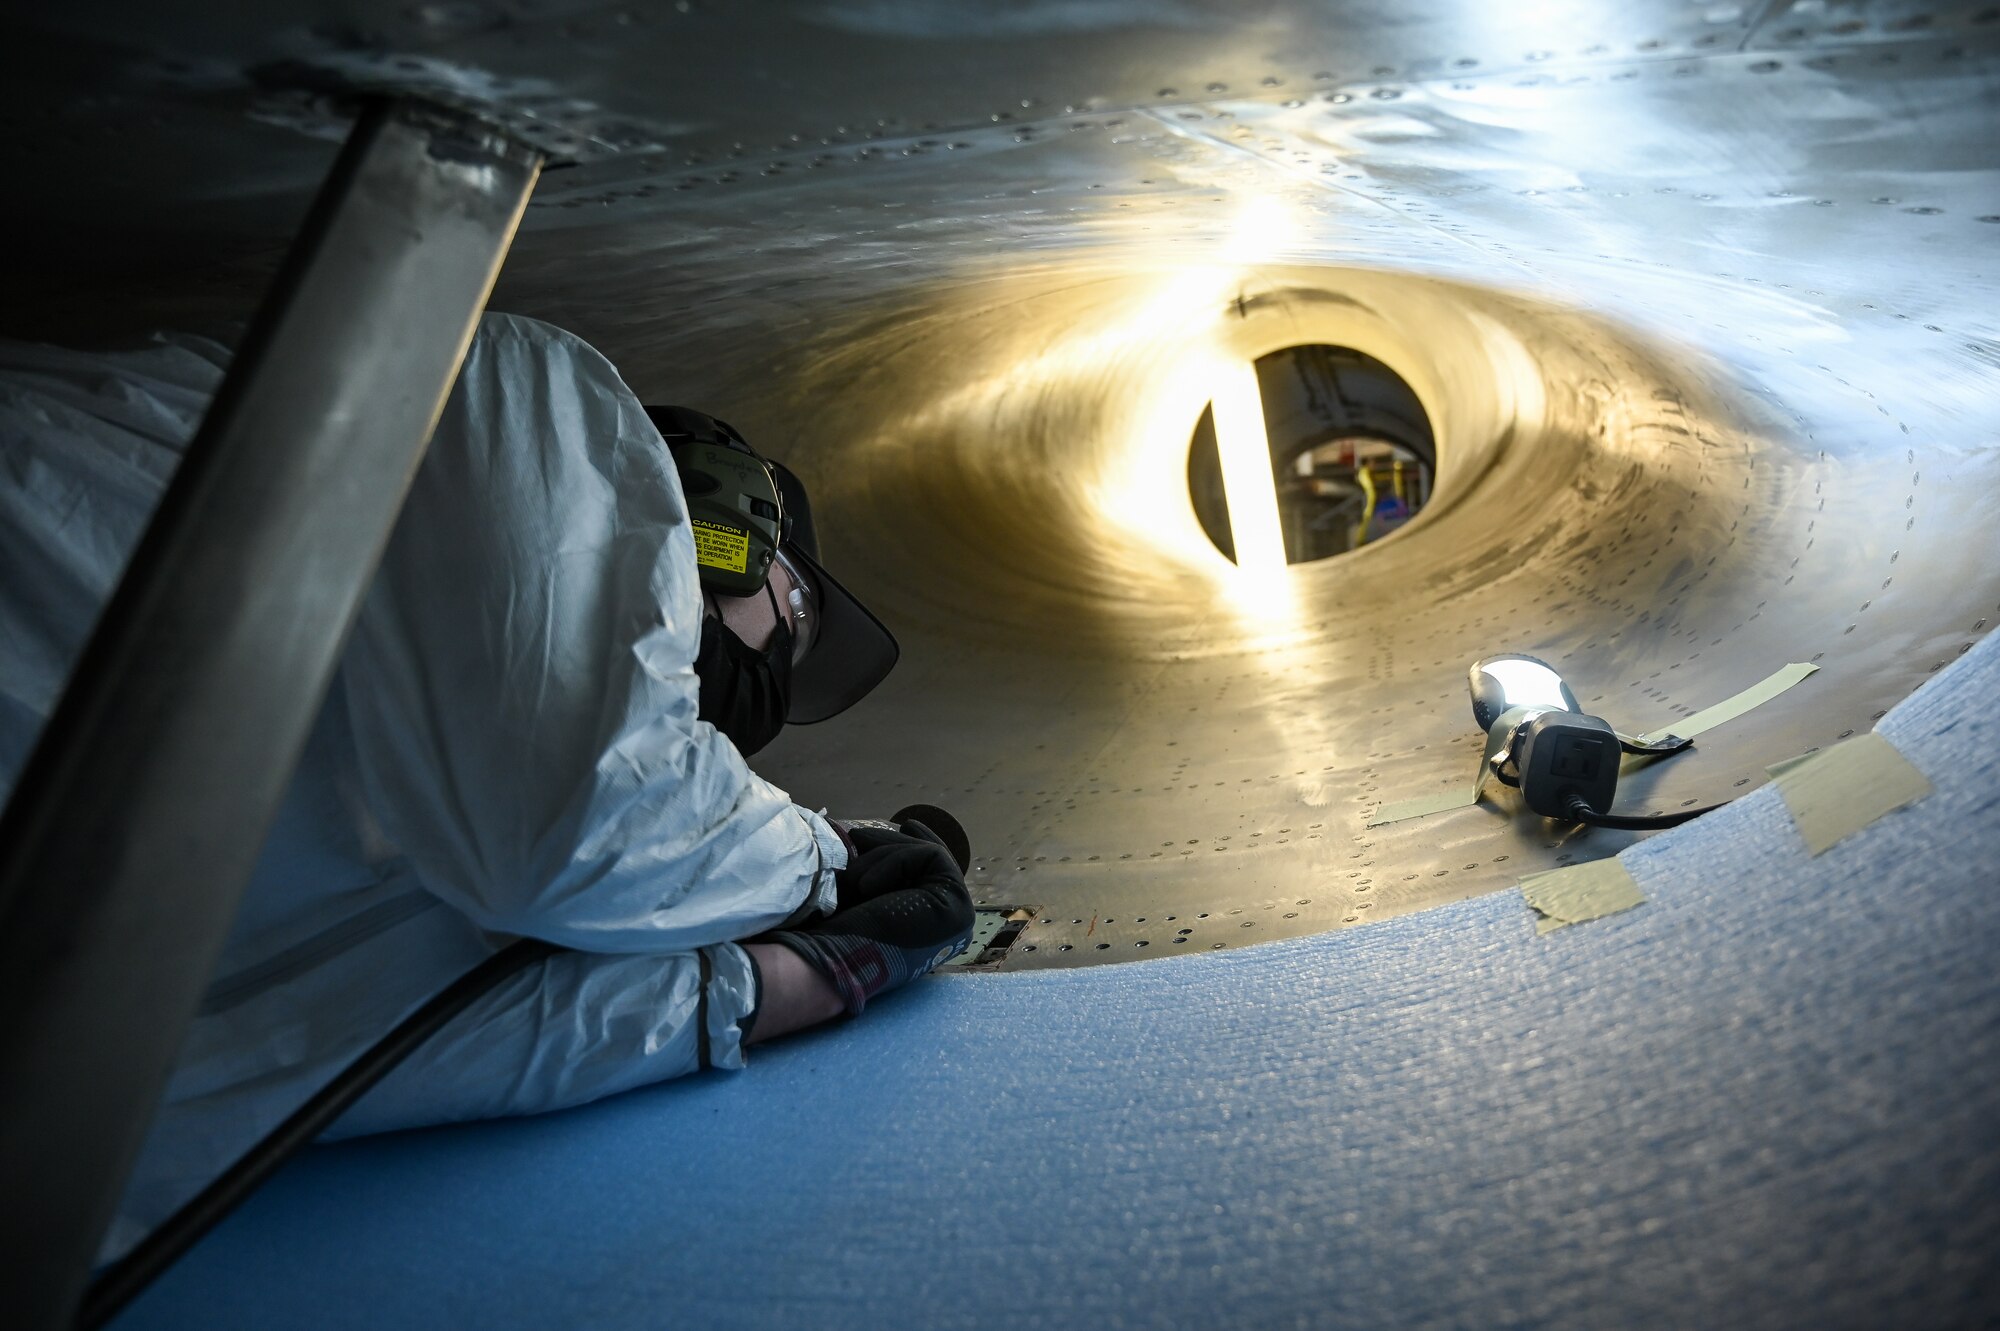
[
  {"x": 521, "y": 679},
  {"x": 510, "y": 747},
  {"x": 539, "y": 1037}
]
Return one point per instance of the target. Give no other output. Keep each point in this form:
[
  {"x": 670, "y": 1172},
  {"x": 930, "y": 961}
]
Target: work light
[{"x": 1540, "y": 741}]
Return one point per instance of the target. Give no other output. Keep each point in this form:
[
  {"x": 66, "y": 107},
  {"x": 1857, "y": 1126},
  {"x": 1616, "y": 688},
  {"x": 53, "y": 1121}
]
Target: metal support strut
[{"x": 138, "y": 818}]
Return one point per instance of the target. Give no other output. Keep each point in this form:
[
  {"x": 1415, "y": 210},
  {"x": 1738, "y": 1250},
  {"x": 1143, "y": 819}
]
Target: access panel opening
[
  {"x": 994, "y": 931},
  {"x": 1352, "y": 456}
]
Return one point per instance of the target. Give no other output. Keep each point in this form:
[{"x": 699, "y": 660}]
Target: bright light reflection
[
  {"x": 1162, "y": 349},
  {"x": 1263, "y": 229},
  {"x": 1246, "y": 472},
  {"x": 1527, "y": 683},
  {"x": 1163, "y": 345}
]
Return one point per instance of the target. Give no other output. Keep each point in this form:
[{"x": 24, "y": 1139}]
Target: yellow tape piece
[
  {"x": 1779, "y": 768},
  {"x": 1562, "y": 897},
  {"x": 721, "y": 547},
  {"x": 1446, "y": 801},
  {"x": 1835, "y": 794},
  {"x": 1730, "y": 708},
  {"x": 1429, "y": 804}
]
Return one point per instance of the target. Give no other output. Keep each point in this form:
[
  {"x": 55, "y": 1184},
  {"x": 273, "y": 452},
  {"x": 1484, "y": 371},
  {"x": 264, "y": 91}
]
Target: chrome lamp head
[{"x": 1538, "y": 738}]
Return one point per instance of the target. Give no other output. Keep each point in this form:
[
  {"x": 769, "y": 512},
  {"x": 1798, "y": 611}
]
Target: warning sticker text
[{"x": 720, "y": 547}]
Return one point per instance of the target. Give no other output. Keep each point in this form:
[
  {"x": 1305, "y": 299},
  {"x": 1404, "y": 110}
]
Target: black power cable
[
  {"x": 1581, "y": 812},
  {"x": 130, "y": 1274}
]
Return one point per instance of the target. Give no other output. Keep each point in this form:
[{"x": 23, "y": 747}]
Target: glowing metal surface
[
  {"x": 1246, "y": 473},
  {"x": 1699, "y": 300}
]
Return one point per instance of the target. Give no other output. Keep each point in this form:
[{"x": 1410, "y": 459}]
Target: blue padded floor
[{"x": 1769, "y": 1097}]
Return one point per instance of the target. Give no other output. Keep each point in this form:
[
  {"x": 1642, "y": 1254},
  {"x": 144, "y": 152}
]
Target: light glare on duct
[
  {"x": 1264, "y": 228},
  {"x": 1517, "y": 681},
  {"x": 1247, "y": 485}
]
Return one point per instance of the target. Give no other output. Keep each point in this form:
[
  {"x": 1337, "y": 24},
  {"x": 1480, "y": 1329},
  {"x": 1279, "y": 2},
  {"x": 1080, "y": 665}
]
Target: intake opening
[{"x": 1352, "y": 454}]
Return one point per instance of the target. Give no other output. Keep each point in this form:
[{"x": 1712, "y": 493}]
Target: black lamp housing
[
  {"x": 1563, "y": 756},
  {"x": 1539, "y": 737},
  {"x": 1539, "y": 740}
]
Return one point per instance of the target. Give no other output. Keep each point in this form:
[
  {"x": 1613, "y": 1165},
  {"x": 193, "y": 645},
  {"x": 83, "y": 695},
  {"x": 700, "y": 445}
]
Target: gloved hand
[
  {"x": 903, "y": 908},
  {"x": 883, "y": 857},
  {"x": 938, "y": 826}
]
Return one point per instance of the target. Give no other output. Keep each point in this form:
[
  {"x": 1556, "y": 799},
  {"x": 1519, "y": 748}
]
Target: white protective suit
[{"x": 509, "y": 748}]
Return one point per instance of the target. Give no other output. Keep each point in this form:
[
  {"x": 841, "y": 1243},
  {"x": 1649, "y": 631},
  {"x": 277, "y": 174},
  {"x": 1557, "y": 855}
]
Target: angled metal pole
[{"x": 138, "y": 818}]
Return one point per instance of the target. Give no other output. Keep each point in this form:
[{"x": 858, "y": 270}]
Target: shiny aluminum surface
[{"x": 1699, "y": 298}]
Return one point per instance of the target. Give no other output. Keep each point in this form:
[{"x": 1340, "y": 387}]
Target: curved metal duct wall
[
  {"x": 1164, "y": 754},
  {"x": 1697, "y": 297},
  {"x": 1703, "y": 325}
]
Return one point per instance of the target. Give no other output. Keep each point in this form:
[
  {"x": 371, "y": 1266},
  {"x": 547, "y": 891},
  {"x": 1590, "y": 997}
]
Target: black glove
[
  {"x": 903, "y": 908},
  {"x": 884, "y": 858}
]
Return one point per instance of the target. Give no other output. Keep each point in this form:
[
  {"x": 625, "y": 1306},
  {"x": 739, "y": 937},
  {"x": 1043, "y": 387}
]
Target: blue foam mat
[{"x": 1769, "y": 1097}]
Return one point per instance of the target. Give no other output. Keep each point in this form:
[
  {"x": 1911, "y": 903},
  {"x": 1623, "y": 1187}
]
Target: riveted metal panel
[{"x": 1698, "y": 296}]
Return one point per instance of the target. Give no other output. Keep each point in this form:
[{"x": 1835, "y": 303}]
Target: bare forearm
[{"x": 793, "y": 996}]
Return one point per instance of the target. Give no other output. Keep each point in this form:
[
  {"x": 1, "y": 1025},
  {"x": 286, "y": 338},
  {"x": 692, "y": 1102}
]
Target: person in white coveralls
[{"x": 538, "y": 729}]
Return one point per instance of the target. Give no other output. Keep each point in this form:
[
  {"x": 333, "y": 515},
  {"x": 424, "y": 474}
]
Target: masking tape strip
[
  {"x": 1449, "y": 800},
  {"x": 1562, "y": 897},
  {"x": 1730, "y": 708},
  {"x": 1778, "y": 769},
  {"x": 1463, "y": 798},
  {"x": 1835, "y": 794}
]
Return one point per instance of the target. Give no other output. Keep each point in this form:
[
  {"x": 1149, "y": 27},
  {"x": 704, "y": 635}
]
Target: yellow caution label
[{"x": 716, "y": 546}]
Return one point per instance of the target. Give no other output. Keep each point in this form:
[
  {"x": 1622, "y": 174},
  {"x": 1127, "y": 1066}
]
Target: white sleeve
[
  {"x": 521, "y": 679},
  {"x": 627, "y": 1022},
  {"x": 88, "y": 441}
]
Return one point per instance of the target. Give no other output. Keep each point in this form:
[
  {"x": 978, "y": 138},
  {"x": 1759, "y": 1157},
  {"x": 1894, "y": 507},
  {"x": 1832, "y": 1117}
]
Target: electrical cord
[
  {"x": 130, "y": 1274},
  {"x": 1581, "y": 812}
]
